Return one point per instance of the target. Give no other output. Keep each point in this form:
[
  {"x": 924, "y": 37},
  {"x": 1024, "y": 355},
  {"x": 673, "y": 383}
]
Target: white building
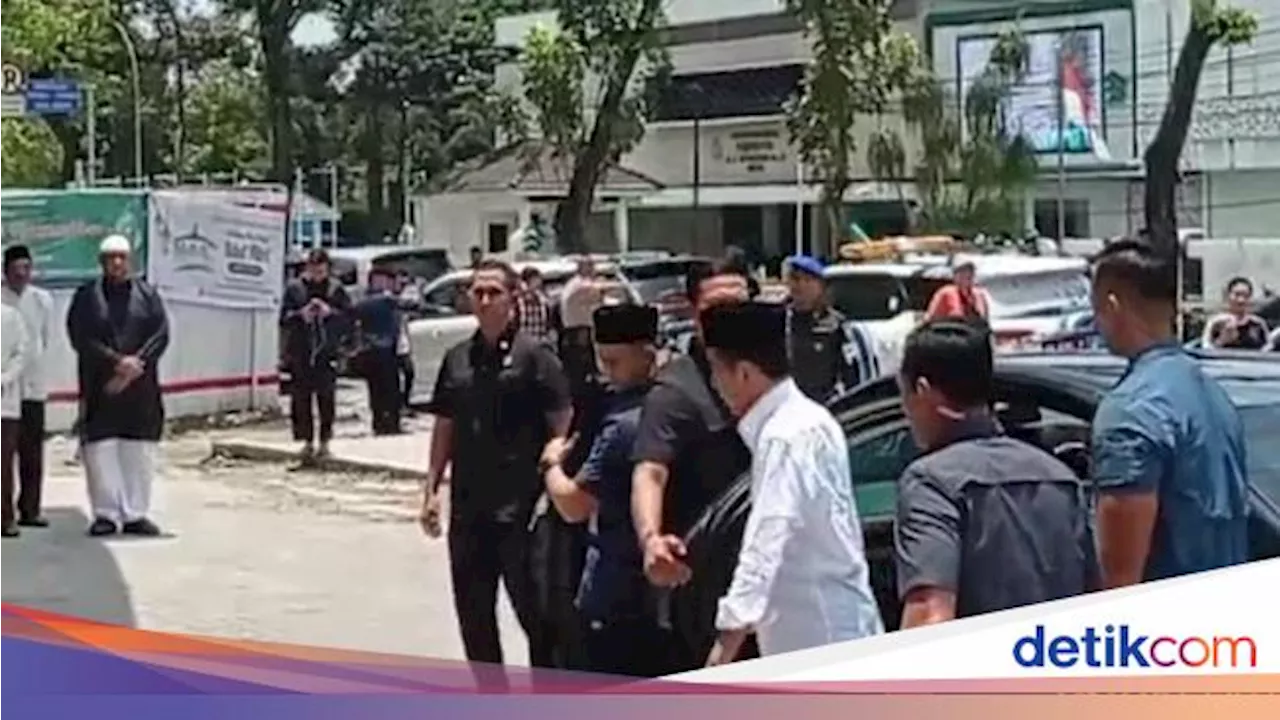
[
  {"x": 734, "y": 65},
  {"x": 723, "y": 170},
  {"x": 1231, "y": 162}
]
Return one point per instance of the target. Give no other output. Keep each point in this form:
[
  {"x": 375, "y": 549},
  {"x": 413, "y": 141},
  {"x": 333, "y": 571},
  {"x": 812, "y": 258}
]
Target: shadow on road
[{"x": 63, "y": 570}]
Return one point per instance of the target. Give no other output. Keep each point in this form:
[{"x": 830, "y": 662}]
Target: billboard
[
  {"x": 1070, "y": 57},
  {"x": 63, "y": 228}
]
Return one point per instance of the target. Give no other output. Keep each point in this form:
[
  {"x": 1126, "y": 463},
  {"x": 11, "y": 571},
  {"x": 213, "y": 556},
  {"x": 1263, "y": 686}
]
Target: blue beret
[{"x": 807, "y": 265}]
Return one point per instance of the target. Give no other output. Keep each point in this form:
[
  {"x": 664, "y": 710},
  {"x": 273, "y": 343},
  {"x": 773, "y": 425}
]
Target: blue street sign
[{"x": 53, "y": 96}]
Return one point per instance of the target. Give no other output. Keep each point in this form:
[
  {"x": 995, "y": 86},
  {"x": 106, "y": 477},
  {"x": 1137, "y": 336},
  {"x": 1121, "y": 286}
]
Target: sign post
[{"x": 14, "y": 102}]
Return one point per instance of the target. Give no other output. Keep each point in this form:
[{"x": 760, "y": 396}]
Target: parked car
[
  {"x": 1046, "y": 399},
  {"x": 447, "y": 318},
  {"x": 1032, "y": 298},
  {"x": 352, "y": 265}
]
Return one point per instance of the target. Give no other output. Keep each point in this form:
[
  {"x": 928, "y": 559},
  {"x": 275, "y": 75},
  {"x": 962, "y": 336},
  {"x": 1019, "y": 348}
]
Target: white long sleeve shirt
[
  {"x": 802, "y": 578},
  {"x": 13, "y": 357},
  {"x": 36, "y": 307}
]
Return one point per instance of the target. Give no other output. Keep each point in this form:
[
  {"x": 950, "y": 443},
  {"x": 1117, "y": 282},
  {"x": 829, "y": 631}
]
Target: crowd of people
[
  {"x": 118, "y": 328},
  {"x": 985, "y": 522},
  {"x": 562, "y": 440}
]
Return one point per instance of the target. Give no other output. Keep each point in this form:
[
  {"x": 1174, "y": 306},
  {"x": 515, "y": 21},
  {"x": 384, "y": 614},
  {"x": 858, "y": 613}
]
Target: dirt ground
[{"x": 253, "y": 551}]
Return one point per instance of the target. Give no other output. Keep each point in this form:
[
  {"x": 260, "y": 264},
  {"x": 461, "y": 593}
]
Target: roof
[
  {"x": 987, "y": 266},
  {"x": 535, "y": 168},
  {"x": 371, "y": 252}
]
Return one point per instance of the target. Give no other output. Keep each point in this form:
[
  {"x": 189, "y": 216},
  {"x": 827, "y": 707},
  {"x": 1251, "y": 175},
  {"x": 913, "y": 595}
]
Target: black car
[{"x": 1046, "y": 399}]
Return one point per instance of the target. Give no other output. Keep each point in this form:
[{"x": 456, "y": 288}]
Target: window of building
[
  {"x": 754, "y": 92},
  {"x": 1076, "y": 213}
]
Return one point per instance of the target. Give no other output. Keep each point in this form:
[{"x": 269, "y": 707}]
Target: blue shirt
[
  {"x": 1168, "y": 428},
  {"x": 613, "y": 583},
  {"x": 380, "y": 320}
]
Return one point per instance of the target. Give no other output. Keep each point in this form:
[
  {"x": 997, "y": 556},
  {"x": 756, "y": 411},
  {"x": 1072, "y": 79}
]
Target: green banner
[{"x": 64, "y": 227}]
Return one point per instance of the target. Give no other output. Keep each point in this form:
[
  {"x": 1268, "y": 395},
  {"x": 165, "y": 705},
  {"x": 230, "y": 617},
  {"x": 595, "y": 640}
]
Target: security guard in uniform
[
  {"x": 622, "y": 634},
  {"x": 687, "y": 452},
  {"x": 826, "y": 356}
]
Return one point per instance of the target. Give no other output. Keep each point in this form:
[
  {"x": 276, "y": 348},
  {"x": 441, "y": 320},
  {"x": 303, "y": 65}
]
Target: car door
[{"x": 448, "y": 323}]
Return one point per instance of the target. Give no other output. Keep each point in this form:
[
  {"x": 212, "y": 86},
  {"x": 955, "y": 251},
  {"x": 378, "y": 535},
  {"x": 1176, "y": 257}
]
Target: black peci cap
[
  {"x": 743, "y": 327},
  {"x": 622, "y": 324}
]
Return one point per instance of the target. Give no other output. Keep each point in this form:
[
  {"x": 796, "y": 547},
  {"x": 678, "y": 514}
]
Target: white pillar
[{"x": 622, "y": 226}]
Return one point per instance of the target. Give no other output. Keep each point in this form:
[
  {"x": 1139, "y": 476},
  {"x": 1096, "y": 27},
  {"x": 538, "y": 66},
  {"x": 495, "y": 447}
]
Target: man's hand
[
  {"x": 727, "y": 647},
  {"x": 322, "y": 308},
  {"x": 117, "y": 384},
  {"x": 553, "y": 454},
  {"x": 663, "y": 561},
  {"x": 429, "y": 518},
  {"x": 130, "y": 367}
]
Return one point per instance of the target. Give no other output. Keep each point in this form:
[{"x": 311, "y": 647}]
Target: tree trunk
[
  {"x": 1160, "y": 203},
  {"x": 274, "y": 38},
  {"x": 573, "y": 212},
  {"x": 180, "y": 86},
  {"x": 371, "y": 151}
]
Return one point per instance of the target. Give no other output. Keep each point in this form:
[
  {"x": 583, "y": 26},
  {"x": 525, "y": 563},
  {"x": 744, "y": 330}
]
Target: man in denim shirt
[{"x": 1168, "y": 445}]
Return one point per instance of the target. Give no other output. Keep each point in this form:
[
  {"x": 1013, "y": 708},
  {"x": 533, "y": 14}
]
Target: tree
[
  {"x": 46, "y": 37},
  {"x": 274, "y": 22},
  {"x": 1211, "y": 24},
  {"x": 971, "y": 179},
  {"x": 226, "y": 122},
  {"x": 604, "y": 41},
  {"x": 859, "y": 62}
]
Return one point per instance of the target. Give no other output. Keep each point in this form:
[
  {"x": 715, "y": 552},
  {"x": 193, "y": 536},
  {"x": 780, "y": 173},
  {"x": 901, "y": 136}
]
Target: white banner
[{"x": 215, "y": 253}]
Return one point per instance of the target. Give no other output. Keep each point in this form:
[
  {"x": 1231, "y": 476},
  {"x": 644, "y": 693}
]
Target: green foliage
[
  {"x": 568, "y": 72},
  {"x": 32, "y": 155},
  {"x": 590, "y": 84},
  {"x": 859, "y": 63},
  {"x": 974, "y": 181},
  {"x": 226, "y": 122}
]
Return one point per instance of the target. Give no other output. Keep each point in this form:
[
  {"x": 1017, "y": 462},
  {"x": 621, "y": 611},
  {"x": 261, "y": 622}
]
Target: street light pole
[{"x": 137, "y": 99}]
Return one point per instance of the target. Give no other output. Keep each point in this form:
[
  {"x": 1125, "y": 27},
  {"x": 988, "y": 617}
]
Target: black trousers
[
  {"x": 382, "y": 374},
  {"x": 482, "y": 551},
  {"x": 30, "y": 459},
  {"x": 9, "y": 428},
  {"x": 406, "y": 379},
  {"x": 633, "y": 646},
  {"x": 312, "y": 385}
]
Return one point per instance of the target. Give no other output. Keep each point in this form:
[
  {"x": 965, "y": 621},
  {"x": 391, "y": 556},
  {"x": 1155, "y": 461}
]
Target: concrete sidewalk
[{"x": 353, "y": 449}]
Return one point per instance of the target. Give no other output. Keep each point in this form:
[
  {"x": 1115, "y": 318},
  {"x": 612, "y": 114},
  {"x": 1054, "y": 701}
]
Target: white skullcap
[{"x": 115, "y": 244}]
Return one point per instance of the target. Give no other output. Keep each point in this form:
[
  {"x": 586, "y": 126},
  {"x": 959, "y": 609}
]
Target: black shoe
[
  {"x": 33, "y": 522},
  {"x": 9, "y": 531},
  {"x": 101, "y": 527},
  {"x": 142, "y": 528}
]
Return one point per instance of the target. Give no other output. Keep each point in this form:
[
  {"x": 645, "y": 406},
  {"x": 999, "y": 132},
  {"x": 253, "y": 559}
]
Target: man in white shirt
[
  {"x": 802, "y": 578},
  {"x": 13, "y": 356},
  {"x": 35, "y": 304}
]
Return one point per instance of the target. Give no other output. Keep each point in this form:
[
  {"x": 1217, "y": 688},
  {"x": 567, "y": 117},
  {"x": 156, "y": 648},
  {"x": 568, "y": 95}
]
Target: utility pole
[
  {"x": 137, "y": 101},
  {"x": 1062, "y": 141},
  {"x": 698, "y": 98},
  {"x": 91, "y": 174}
]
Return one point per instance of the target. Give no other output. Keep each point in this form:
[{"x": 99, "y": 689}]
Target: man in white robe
[
  {"x": 118, "y": 328},
  {"x": 802, "y": 578}
]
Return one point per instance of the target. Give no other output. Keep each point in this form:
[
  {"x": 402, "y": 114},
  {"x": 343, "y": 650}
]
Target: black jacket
[{"x": 310, "y": 344}]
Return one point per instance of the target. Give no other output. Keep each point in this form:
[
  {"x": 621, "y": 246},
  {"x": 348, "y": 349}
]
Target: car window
[
  {"x": 867, "y": 296},
  {"x": 425, "y": 264},
  {"x": 450, "y": 295},
  {"x": 1038, "y": 294},
  {"x": 346, "y": 271},
  {"x": 653, "y": 280},
  {"x": 876, "y": 461},
  {"x": 1262, "y": 427}
]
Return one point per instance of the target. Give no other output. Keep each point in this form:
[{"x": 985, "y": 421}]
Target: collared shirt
[
  {"x": 802, "y": 578},
  {"x": 613, "y": 583},
  {"x": 1168, "y": 428},
  {"x": 13, "y": 337},
  {"x": 579, "y": 299},
  {"x": 997, "y": 521},
  {"x": 380, "y": 320},
  {"x": 686, "y": 427},
  {"x": 498, "y": 397},
  {"x": 533, "y": 313},
  {"x": 36, "y": 306}
]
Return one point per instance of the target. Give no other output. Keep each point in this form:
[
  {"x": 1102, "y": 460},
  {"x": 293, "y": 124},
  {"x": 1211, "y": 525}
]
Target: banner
[
  {"x": 64, "y": 227},
  {"x": 216, "y": 253}
]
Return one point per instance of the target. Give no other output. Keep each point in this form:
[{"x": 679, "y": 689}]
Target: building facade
[{"x": 724, "y": 171}]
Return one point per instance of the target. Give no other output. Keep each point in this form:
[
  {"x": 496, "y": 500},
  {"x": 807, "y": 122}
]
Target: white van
[
  {"x": 1032, "y": 297},
  {"x": 352, "y": 265}
]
